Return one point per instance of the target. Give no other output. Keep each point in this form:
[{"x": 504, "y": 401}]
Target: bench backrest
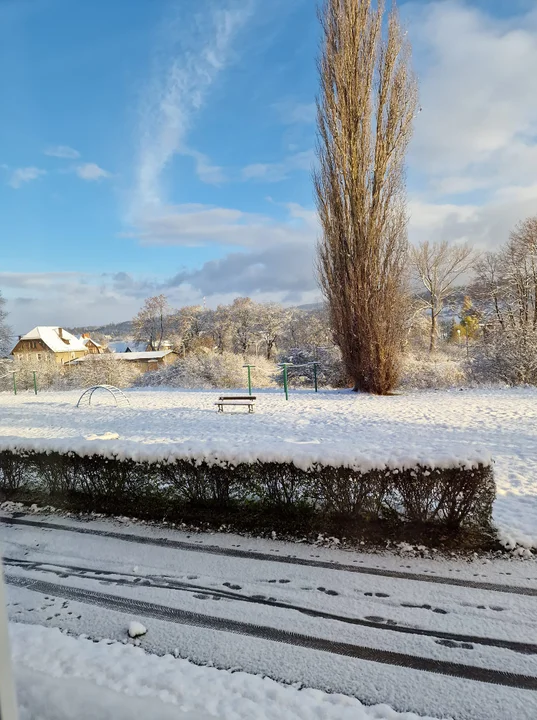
[{"x": 237, "y": 397}]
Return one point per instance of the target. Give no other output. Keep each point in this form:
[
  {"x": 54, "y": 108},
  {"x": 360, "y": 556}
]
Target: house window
[
  {"x": 39, "y": 356},
  {"x": 72, "y": 354}
]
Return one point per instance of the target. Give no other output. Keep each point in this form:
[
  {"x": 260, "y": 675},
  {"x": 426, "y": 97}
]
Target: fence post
[
  {"x": 249, "y": 378},
  {"x": 315, "y": 375},
  {"x": 14, "y": 383},
  {"x": 35, "y": 382},
  {"x": 285, "y": 386}
]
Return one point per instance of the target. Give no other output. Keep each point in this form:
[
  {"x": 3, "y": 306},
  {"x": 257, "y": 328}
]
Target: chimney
[
  {"x": 60, "y": 332},
  {"x": 86, "y": 335},
  {"x": 20, "y": 337}
]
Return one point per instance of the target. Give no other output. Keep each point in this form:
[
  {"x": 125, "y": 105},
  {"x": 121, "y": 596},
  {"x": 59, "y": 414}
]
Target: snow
[
  {"x": 446, "y": 428},
  {"x": 189, "y": 579},
  {"x": 51, "y": 337},
  {"x": 83, "y": 679},
  {"x": 126, "y": 356},
  {"x": 136, "y": 629}
]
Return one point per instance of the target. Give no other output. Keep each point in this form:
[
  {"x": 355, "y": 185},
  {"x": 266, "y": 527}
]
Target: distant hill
[{"x": 112, "y": 330}]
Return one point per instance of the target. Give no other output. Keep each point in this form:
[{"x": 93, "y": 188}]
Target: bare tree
[
  {"x": 506, "y": 281},
  {"x": 243, "y": 315},
  {"x": 365, "y": 110},
  {"x": 6, "y": 338},
  {"x": 438, "y": 266},
  {"x": 272, "y": 319},
  {"x": 152, "y": 323}
]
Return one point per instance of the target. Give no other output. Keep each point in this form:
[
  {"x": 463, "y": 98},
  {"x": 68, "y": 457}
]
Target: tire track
[
  {"x": 266, "y": 557},
  {"x": 183, "y": 617},
  {"x": 165, "y": 583}
]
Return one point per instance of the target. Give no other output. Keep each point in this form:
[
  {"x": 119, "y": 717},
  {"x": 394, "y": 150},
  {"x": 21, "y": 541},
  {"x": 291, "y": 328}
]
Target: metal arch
[{"x": 116, "y": 393}]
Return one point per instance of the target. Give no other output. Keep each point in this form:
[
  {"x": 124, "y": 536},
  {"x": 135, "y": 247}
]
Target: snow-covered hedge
[{"x": 444, "y": 500}]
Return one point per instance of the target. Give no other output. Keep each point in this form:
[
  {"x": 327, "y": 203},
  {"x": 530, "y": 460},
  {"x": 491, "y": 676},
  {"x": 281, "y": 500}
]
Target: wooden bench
[{"x": 245, "y": 400}]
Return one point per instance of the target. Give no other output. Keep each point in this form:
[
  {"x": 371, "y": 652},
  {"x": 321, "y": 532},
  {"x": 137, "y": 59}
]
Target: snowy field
[{"x": 332, "y": 427}]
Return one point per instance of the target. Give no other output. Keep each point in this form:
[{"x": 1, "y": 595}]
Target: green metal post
[
  {"x": 35, "y": 382},
  {"x": 14, "y": 383},
  {"x": 315, "y": 375},
  {"x": 285, "y": 387},
  {"x": 249, "y": 381}
]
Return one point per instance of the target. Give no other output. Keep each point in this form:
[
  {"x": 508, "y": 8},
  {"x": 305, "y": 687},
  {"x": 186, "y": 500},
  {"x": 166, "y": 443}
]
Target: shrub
[
  {"x": 448, "y": 501},
  {"x": 106, "y": 369},
  {"x": 48, "y": 374},
  {"x": 436, "y": 371},
  {"x": 330, "y": 371},
  {"x": 212, "y": 370},
  {"x": 508, "y": 356}
]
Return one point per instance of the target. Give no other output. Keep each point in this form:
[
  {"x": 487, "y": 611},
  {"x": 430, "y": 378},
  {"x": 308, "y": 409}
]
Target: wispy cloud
[
  {"x": 205, "y": 170},
  {"x": 62, "y": 151},
  {"x": 24, "y": 175},
  {"x": 91, "y": 172},
  {"x": 296, "y": 113},
  {"x": 274, "y": 172},
  {"x": 179, "y": 89}
]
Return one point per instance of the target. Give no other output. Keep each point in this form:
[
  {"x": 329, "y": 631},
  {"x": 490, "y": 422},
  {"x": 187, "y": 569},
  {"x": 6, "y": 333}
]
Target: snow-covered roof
[
  {"x": 86, "y": 340},
  {"x": 52, "y": 339},
  {"x": 127, "y": 356}
]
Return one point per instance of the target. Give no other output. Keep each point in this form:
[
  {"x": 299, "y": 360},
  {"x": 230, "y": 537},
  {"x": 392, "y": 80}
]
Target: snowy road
[{"x": 437, "y": 637}]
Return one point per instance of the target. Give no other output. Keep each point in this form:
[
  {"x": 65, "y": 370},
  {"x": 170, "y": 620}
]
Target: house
[
  {"x": 49, "y": 343},
  {"x": 91, "y": 345},
  {"x": 141, "y": 361},
  {"x": 122, "y": 346}
]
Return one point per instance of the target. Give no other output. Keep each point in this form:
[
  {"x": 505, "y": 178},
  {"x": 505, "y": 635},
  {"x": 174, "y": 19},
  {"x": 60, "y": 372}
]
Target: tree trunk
[{"x": 432, "y": 345}]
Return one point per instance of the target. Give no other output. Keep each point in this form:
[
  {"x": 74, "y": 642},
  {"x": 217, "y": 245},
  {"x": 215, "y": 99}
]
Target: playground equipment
[
  {"x": 249, "y": 377},
  {"x": 14, "y": 374},
  {"x": 117, "y": 394},
  {"x": 286, "y": 365}
]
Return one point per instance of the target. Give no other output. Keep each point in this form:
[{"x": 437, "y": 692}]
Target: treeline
[{"x": 244, "y": 327}]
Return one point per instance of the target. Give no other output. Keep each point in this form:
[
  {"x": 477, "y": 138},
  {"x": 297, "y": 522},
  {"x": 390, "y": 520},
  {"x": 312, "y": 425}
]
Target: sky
[{"x": 166, "y": 146}]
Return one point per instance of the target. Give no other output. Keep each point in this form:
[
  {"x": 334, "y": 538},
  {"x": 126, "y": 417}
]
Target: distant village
[{"x": 46, "y": 344}]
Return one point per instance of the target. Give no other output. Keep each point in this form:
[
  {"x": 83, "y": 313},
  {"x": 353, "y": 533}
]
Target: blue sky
[{"x": 167, "y": 146}]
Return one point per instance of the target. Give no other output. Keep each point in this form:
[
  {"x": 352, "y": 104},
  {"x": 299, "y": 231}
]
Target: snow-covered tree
[
  {"x": 6, "y": 337},
  {"x": 244, "y": 323},
  {"x": 152, "y": 324}
]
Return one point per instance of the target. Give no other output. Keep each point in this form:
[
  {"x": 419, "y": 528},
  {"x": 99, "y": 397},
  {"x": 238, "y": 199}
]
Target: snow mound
[{"x": 136, "y": 629}]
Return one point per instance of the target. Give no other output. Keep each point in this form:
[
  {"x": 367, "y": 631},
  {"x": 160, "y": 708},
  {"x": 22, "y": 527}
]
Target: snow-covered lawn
[
  {"x": 61, "y": 678},
  {"x": 431, "y": 427}
]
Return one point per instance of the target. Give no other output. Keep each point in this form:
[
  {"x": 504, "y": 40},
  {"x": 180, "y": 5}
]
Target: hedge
[{"x": 403, "y": 502}]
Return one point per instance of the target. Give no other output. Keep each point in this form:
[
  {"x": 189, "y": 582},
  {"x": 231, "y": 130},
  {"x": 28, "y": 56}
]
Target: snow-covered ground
[
  {"x": 435, "y": 637},
  {"x": 61, "y": 678},
  {"x": 332, "y": 427}
]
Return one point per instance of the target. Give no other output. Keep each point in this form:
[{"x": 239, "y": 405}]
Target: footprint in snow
[
  {"x": 453, "y": 644},
  {"x": 232, "y": 587}
]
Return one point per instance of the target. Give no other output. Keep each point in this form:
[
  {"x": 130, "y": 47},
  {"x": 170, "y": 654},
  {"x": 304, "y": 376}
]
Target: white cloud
[
  {"x": 71, "y": 298},
  {"x": 201, "y": 225},
  {"x": 24, "y": 175},
  {"x": 62, "y": 151},
  {"x": 478, "y": 125},
  {"x": 274, "y": 172},
  {"x": 197, "y": 56},
  {"x": 91, "y": 172},
  {"x": 205, "y": 170}
]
